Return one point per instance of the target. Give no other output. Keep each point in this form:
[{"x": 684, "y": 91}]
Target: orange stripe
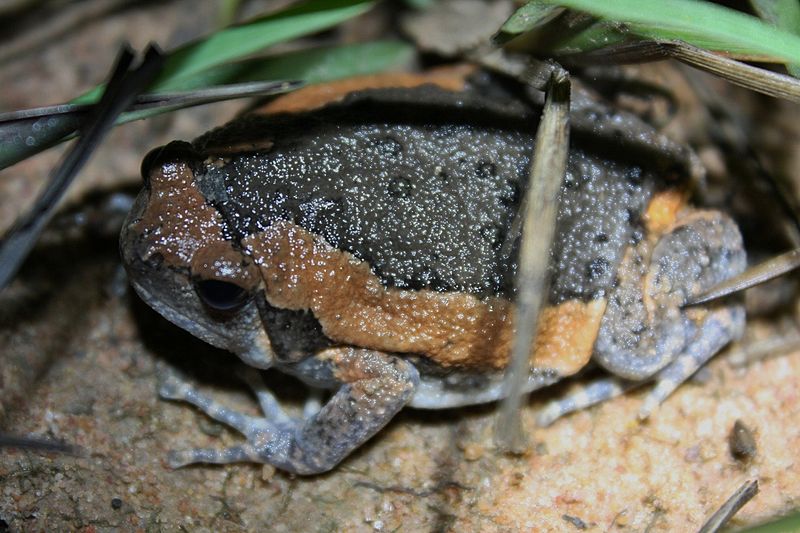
[
  {"x": 663, "y": 209},
  {"x": 302, "y": 271},
  {"x": 315, "y": 96}
]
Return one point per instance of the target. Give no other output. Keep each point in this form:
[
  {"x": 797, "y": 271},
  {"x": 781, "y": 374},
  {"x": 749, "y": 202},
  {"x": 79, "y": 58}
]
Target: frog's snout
[{"x": 140, "y": 254}]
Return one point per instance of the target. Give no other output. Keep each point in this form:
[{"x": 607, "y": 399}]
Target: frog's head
[{"x": 182, "y": 262}]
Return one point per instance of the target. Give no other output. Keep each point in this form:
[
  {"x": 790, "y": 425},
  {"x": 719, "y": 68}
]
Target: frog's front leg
[
  {"x": 646, "y": 332},
  {"x": 373, "y": 387}
]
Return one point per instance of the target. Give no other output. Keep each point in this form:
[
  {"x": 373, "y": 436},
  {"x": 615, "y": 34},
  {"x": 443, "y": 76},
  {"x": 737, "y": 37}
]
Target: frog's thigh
[
  {"x": 645, "y": 327},
  {"x": 374, "y": 387},
  {"x": 645, "y": 332}
]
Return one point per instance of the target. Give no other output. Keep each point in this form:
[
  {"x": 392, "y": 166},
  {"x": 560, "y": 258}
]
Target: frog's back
[{"x": 423, "y": 185}]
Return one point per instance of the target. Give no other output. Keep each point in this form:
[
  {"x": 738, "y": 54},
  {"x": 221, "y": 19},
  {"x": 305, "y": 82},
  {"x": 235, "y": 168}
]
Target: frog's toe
[
  {"x": 171, "y": 386},
  {"x": 378, "y": 386},
  {"x": 180, "y": 458},
  {"x": 174, "y": 388},
  {"x": 234, "y": 454},
  {"x": 269, "y": 404},
  {"x": 313, "y": 403},
  {"x": 667, "y": 381}
]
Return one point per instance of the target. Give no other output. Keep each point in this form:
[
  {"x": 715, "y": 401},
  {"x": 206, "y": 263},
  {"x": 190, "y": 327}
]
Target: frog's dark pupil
[{"x": 221, "y": 295}]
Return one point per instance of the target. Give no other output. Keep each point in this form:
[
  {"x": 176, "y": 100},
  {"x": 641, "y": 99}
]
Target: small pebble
[
  {"x": 575, "y": 521},
  {"x": 473, "y": 451},
  {"x": 741, "y": 442}
]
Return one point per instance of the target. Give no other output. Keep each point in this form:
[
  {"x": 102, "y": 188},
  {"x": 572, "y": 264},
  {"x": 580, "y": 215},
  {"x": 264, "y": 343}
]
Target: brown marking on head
[
  {"x": 179, "y": 226},
  {"x": 663, "y": 210},
  {"x": 220, "y": 261},
  {"x": 315, "y": 96},
  {"x": 302, "y": 271},
  {"x": 177, "y": 221}
]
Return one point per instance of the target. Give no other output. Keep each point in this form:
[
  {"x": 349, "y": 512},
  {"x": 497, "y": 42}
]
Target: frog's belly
[{"x": 457, "y": 389}]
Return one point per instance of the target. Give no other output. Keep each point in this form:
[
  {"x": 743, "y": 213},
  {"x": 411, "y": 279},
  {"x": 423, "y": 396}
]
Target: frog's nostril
[{"x": 150, "y": 260}]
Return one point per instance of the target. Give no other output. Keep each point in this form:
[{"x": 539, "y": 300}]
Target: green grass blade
[
  {"x": 598, "y": 35},
  {"x": 239, "y": 41},
  {"x": 783, "y": 14},
  {"x": 699, "y": 23},
  {"x": 312, "y": 66},
  {"x": 26, "y": 138},
  {"x": 526, "y": 18}
]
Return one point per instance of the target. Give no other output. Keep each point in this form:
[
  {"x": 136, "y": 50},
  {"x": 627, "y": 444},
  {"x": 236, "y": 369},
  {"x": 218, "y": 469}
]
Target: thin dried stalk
[{"x": 540, "y": 207}]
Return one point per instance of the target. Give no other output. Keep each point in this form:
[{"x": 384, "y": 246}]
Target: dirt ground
[{"x": 80, "y": 354}]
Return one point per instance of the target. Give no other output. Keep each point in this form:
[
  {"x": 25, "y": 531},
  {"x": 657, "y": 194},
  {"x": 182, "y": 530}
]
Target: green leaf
[
  {"x": 783, "y": 14},
  {"x": 240, "y": 41},
  {"x": 700, "y": 23},
  {"x": 312, "y": 65},
  {"x": 528, "y": 17}
]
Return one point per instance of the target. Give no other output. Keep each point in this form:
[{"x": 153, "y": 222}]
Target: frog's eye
[{"x": 221, "y": 295}]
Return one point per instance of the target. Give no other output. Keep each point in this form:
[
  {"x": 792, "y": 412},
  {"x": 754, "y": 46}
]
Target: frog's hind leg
[
  {"x": 646, "y": 333},
  {"x": 717, "y": 330},
  {"x": 372, "y": 388},
  {"x": 590, "y": 394}
]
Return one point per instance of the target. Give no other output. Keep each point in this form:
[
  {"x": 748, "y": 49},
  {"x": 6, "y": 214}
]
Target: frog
[{"x": 358, "y": 235}]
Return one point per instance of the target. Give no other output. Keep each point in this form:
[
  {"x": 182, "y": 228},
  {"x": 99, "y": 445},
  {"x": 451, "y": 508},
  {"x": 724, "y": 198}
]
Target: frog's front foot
[{"x": 373, "y": 387}]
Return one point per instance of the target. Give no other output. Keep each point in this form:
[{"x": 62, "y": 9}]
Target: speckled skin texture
[
  {"x": 397, "y": 201},
  {"x": 425, "y": 193}
]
